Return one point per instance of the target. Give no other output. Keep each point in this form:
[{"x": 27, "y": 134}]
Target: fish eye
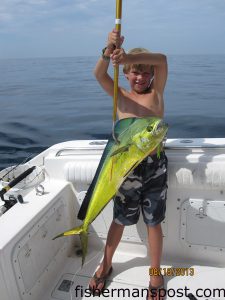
[{"x": 149, "y": 128}]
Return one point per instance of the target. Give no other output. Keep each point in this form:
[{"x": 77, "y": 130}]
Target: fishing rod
[
  {"x": 12, "y": 183},
  {"x": 116, "y": 67},
  {"x": 13, "y": 168}
]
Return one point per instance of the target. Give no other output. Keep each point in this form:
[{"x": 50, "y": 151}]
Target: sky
[{"x": 64, "y": 28}]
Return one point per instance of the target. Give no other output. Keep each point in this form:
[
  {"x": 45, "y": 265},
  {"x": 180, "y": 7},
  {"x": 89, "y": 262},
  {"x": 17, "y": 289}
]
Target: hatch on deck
[{"x": 203, "y": 223}]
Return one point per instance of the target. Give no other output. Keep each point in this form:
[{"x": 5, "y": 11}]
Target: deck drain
[{"x": 65, "y": 285}]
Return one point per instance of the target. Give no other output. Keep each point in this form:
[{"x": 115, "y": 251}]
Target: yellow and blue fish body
[{"x": 137, "y": 137}]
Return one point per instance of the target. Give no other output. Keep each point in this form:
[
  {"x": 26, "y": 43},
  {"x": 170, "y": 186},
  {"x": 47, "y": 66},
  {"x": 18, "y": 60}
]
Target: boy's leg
[
  {"x": 155, "y": 240},
  {"x": 125, "y": 212},
  {"x": 153, "y": 209},
  {"x": 113, "y": 239}
]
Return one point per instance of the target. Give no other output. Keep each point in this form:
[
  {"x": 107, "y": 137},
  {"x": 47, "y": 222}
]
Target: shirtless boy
[{"x": 147, "y": 75}]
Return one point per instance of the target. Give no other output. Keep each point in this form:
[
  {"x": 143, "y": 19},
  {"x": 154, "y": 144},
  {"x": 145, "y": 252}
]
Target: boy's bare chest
[{"x": 140, "y": 106}]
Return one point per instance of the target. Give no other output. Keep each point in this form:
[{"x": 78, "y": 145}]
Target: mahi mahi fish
[{"x": 137, "y": 137}]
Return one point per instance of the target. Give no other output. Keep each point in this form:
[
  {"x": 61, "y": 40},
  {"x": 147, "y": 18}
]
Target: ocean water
[{"x": 45, "y": 101}]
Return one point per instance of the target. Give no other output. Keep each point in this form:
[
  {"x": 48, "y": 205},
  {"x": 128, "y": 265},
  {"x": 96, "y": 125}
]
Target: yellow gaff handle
[{"x": 116, "y": 68}]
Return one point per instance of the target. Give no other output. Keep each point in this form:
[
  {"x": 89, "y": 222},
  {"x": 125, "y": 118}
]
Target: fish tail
[
  {"x": 83, "y": 238},
  {"x": 84, "y": 243},
  {"x": 74, "y": 231}
]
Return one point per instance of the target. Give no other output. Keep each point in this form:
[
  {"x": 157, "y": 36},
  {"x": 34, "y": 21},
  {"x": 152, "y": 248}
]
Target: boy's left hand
[{"x": 118, "y": 57}]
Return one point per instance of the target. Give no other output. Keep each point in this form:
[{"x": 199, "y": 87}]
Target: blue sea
[{"x": 45, "y": 101}]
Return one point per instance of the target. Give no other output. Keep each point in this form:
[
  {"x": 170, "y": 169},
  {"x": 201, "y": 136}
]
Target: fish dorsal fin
[{"x": 121, "y": 150}]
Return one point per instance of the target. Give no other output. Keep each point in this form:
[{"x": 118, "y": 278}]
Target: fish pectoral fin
[
  {"x": 121, "y": 150},
  {"x": 111, "y": 169},
  {"x": 159, "y": 149}
]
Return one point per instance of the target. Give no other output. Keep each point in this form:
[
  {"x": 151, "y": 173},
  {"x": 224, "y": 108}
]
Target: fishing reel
[
  {"x": 9, "y": 201},
  {"x": 11, "y": 177},
  {"x": 12, "y": 200}
]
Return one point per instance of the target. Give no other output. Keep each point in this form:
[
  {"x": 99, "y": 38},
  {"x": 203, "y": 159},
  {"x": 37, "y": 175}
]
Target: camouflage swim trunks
[{"x": 145, "y": 188}]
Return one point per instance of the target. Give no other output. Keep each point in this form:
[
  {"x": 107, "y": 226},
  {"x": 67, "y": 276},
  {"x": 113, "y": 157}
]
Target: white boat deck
[
  {"x": 129, "y": 280},
  {"x": 34, "y": 267}
]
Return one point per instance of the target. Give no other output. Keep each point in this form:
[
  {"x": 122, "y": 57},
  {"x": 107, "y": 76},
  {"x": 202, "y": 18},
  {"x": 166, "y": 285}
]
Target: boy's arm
[
  {"x": 157, "y": 60},
  {"x": 101, "y": 73},
  {"x": 101, "y": 68}
]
